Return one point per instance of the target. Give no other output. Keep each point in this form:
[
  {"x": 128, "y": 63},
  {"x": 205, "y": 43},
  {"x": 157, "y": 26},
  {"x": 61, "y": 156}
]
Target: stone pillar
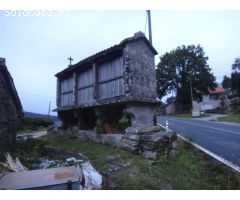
[{"x": 141, "y": 114}]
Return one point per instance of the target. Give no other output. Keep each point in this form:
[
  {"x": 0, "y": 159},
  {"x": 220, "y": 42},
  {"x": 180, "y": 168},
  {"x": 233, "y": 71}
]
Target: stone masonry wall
[
  {"x": 139, "y": 74},
  {"x": 150, "y": 141},
  {"x": 8, "y": 116}
]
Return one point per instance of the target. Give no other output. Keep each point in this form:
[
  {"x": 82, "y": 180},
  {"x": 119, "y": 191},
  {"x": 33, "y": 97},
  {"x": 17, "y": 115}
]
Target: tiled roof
[
  {"x": 217, "y": 90},
  {"x": 109, "y": 51}
]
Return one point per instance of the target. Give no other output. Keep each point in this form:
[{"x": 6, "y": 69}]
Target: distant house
[
  {"x": 10, "y": 107},
  {"x": 104, "y": 86},
  {"x": 213, "y": 98}
]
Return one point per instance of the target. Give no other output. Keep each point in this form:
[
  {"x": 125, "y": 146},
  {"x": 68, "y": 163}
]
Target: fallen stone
[
  {"x": 174, "y": 145},
  {"x": 150, "y": 155},
  {"x": 112, "y": 157},
  {"x": 127, "y": 164},
  {"x": 114, "y": 168}
]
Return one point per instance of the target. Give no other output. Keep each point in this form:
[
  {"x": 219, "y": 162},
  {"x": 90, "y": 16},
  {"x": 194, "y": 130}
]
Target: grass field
[
  {"x": 190, "y": 169},
  {"x": 230, "y": 118}
]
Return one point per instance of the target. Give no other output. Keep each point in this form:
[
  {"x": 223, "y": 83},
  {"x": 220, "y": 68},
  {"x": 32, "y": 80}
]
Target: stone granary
[
  {"x": 117, "y": 81},
  {"x": 10, "y": 107}
]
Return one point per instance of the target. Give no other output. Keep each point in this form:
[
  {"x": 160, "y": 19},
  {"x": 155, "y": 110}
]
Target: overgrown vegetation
[
  {"x": 32, "y": 124},
  {"x": 124, "y": 122},
  {"x": 230, "y": 118},
  {"x": 190, "y": 169}
]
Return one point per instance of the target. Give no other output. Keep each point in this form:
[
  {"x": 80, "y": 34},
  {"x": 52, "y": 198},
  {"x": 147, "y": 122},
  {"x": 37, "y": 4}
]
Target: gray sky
[{"x": 36, "y": 48}]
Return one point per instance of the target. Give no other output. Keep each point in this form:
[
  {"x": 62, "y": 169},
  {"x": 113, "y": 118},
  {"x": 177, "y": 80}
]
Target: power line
[{"x": 37, "y": 95}]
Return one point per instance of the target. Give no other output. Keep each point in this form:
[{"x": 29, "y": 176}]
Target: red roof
[{"x": 216, "y": 90}]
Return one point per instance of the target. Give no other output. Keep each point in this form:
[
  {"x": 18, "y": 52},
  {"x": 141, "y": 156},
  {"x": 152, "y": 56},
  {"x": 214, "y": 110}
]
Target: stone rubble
[
  {"x": 150, "y": 141},
  {"x": 112, "y": 157}
]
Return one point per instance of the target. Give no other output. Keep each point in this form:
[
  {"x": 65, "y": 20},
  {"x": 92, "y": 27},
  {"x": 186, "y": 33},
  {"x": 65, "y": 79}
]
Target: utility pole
[
  {"x": 191, "y": 90},
  {"x": 149, "y": 26},
  {"x": 49, "y": 108}
]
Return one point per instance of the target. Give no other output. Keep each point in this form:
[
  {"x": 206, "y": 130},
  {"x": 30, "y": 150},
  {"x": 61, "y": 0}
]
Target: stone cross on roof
[{"x": 70, "y": 59}]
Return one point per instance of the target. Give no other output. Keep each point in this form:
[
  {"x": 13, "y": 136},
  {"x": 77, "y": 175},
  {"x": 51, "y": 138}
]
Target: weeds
[{"x": 189, "y": 169}]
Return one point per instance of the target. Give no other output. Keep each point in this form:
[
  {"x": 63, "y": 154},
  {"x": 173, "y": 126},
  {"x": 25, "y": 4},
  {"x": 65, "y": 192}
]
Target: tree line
[{"x": 187, "y": 65}]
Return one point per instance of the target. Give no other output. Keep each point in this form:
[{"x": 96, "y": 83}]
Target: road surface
[{"x": 219, "y": 138}]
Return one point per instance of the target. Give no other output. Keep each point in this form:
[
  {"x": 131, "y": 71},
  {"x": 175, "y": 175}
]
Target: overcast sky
[{"x": 36, "y": 48}]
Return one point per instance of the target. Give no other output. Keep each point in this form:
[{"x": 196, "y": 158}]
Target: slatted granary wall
[
  {"x": 85, "y": 86},
  {"x": 110, "y": 79},
  {"x": 67, "y": 91}
]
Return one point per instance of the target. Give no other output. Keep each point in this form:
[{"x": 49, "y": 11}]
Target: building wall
[
  {"x": 140, "y": 75},
  {"x": 8, "y": 116},
  {"x": 170, "y": 109}
]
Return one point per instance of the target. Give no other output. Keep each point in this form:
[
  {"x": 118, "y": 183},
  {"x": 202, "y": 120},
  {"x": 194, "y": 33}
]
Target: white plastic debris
[{"x": 92, "y": 179}]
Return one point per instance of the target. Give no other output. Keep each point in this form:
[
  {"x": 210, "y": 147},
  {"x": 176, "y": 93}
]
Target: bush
[
  {"x": 34, "y": 123},
  {"x": 124, "y": 122}
]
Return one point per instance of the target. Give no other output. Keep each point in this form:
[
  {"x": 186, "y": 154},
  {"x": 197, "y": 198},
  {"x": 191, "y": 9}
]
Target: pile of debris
[
  {"x": 79, "y": 173},
  {"x": 13, "y": 165}
]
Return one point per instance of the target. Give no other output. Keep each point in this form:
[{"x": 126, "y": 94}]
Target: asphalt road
[{"x": 221, "y": 139}]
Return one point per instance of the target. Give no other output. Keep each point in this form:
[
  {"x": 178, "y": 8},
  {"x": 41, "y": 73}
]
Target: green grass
[
  {"x": 230, "y": 118},
  {"x": 190, "y": 169},
  {"x": 185, "y": 115}
]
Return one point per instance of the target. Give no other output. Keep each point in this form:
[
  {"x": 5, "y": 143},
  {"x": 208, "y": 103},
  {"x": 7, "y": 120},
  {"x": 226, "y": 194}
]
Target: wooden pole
[{"x": 49, "y": 108}]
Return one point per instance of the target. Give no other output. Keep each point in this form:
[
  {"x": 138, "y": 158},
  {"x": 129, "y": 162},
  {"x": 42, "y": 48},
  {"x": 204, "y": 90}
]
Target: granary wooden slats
[
  {"x": 67, "y": 91},
  {"x": 85, "y": 86},
  {"x": 98, "y": 82},
  {"x": 110, "y": 79}
]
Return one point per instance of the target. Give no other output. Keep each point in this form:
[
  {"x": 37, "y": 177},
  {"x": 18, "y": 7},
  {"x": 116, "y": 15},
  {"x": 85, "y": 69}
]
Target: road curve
[{"x": 219, "y": 138}]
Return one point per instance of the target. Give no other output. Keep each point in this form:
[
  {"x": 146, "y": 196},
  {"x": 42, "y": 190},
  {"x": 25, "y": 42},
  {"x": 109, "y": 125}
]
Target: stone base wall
[
  {"x": 152, "y": 145},
  {"x": 151, "y": 141}
]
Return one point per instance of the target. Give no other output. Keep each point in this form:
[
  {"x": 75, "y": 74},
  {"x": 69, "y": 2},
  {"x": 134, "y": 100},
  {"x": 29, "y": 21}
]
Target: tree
[
  {"x": 235, "y": 75},
  {"x": 226, "y": 83},
  {"x": 236, "y": 64},
  {"x": 177, "y": 67}
]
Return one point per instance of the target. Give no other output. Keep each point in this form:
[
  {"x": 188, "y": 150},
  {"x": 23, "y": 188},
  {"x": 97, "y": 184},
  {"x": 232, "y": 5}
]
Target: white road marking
[
  {"x": 219, "y": 158},
  {"x": 219, "y": 129}
]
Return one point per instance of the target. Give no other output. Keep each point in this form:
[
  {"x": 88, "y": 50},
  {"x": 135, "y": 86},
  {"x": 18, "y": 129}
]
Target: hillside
[{"x": 33, "y": 115}]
